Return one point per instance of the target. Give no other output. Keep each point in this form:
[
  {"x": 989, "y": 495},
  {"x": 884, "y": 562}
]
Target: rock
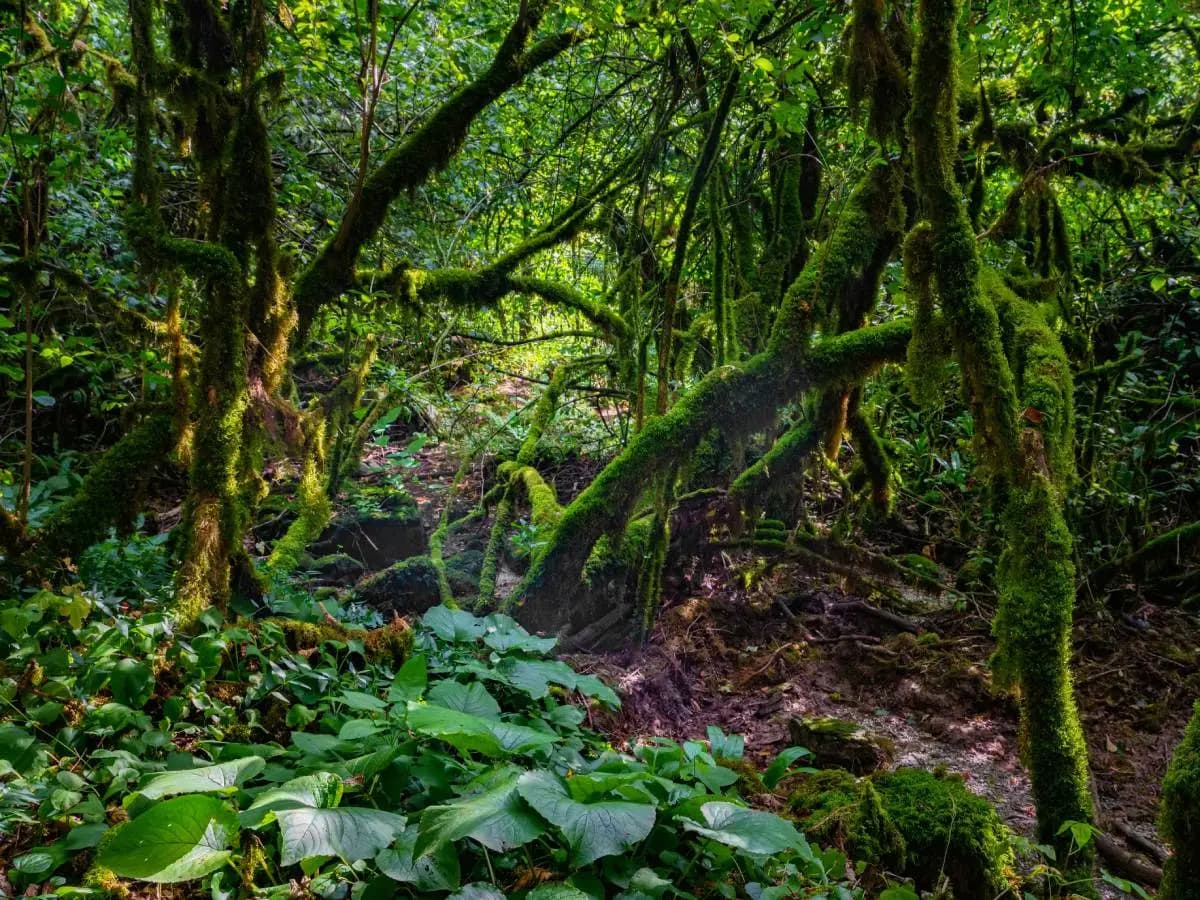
[
  {"x": 377, "y": 539},
  {"x": 836, "y": 743},
  {"x": 335, "y": 569},
  {"x": 463, "y": 570},
  {"x": 409, "y": 586}
]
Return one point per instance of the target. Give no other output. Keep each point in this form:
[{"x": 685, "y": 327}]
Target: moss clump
[
  {"x": 839, "y": 809},
  {"x": 947, "y": 829},
  {"x": 1180, "y": 819},
  {"x": 914, "y": 822},
  {"x": 462, "y": 572},
  {"x": 389, "y": 643},
  {"x": 313, "y": 509}
]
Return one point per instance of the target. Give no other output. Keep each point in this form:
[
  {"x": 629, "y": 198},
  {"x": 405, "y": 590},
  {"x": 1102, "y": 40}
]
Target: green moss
[
  {"x": 314, "y": 511},
  {"x": 1036, "y": 577},
  {"x": 838, "y": 809},
  {"x": 913, "y": 822},
  {"x": 947, "y": 829},
  {"x": 1180, "y": 818},
  {"x": 109, "y": 493}
]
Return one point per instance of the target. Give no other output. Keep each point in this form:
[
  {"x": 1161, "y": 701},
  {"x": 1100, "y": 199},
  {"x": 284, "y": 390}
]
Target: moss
[
  {"x": 109, "y": 493},
  {"x": 947, "y": 829},
  {"x": 874, "y": 74},
  {"x": 313, "y": 513},
  {"x": 389, "y": 643},
  {"x": 1179, "y": 821},
  {"x": 913, "y": 822},
  {"x": 836, "y": 808},
  {"x": 1036, "y": 578}
]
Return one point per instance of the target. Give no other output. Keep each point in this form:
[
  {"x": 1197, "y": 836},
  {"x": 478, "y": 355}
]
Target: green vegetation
[{"x": 332, "y": 335}]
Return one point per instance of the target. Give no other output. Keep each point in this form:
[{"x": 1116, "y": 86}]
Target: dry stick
[{"x": 1126, "y": 863}]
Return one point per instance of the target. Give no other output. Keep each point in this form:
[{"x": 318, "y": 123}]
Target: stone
[
  {"x": 836, "y": 743},
  {"x": 406, "y": 587}
]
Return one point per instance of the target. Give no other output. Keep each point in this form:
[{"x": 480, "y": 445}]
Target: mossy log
[
  {"x": 1175, "y": 544},
  {"x": 109, "y": 494},
  {"x": 1180, "y": 819}
]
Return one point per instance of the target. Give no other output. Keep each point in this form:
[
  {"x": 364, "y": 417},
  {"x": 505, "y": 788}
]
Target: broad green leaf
[
  {"x": 176, "y": 840},
  {"x": 410, "y": 681},
  {"x": 436, "y": 871},
  {"x": 496, "y": 818},
  {"x": 534, "y": 676},
  {"x": 350, "y": 833},
  {"x": 504, "y": 634},
  {"x": 132, "y": 683},
  {"x": 472, "y": 698},
  {"x": 755, "y": 832},
  {"x": 453, "y": 624},
  {"x": 593, "y": 830},
  {"x": 361, "y": 702},
  {"x": 458, "y": 729},
  {"x": 204, "y": 779},
  {"x": 781, "y": 764},
  {"x": 593, "y": 687},
  {"x": 560, "y": 891},
  {"x": 321, "y": 790},
  {"x": 478, "y": 891}
]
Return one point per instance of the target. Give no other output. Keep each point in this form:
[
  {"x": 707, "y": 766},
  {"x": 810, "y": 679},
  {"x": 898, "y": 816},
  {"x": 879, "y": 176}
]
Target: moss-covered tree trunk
[
  {"x": 1031, "y": 462},
  {"x": 1180, "y": 820}
]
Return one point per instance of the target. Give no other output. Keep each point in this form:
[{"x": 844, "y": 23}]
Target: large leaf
[
  {"x": 204, "y": 779},
  {"x": 410, "y": 681},
  {"x": 560, "y": 891},
  {"x": 504, "y": 634},
  {"x": 747, "y": 829},
  {"x": 349, "y": 832},
  {"x": 176, "y": 840},
  {"x": 472, "y": 733},
  {"x": 496, "y": 818},
  {"x": 593, "y": 830},
  {"x": 534, "y": 676},
  {"x": 321, "y": 790},
  {"x": 458, "y": 729},
  {"x": 132, "y": 683},
  {"x": 453, "y": 624},
  {"x": 436, "y": 871},
  {"x": 472, "y": 698}
]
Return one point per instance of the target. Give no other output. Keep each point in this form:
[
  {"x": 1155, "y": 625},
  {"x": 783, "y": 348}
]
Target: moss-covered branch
[
  {"x": 428, "y": 150},
  {"x": 737, "y": 400}
]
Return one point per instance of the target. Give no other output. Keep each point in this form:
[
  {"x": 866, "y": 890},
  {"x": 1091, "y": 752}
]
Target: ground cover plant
[{"x": 556, "y": 449}]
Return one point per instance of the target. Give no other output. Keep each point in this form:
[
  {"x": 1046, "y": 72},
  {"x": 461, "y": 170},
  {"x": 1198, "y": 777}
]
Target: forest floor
[{"x": 749, "y": 647}]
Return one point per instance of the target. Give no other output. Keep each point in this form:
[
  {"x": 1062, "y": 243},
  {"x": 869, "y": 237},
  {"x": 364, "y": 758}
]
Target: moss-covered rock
[
  {"x": 409, "y": 586},
  {"x": 378, "y": 538},
  {"x": 836, "y": 743},
  {"x": 917, "y": 823},
  {"x": 462, "y": 571},
  {"x": 947, "y": 829}
]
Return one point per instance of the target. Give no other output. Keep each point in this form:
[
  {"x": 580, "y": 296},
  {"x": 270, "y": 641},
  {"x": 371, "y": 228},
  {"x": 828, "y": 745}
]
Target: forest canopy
[{"x": 548, "y": 449}]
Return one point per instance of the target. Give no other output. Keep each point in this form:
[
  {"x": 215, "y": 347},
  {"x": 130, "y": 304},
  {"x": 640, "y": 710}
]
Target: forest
[{"x": 582, "y": 449}]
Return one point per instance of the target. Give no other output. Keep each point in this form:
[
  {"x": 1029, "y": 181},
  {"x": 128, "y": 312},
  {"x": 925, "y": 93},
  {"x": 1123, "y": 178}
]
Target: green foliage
[{"x": 445, "y": 771}]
